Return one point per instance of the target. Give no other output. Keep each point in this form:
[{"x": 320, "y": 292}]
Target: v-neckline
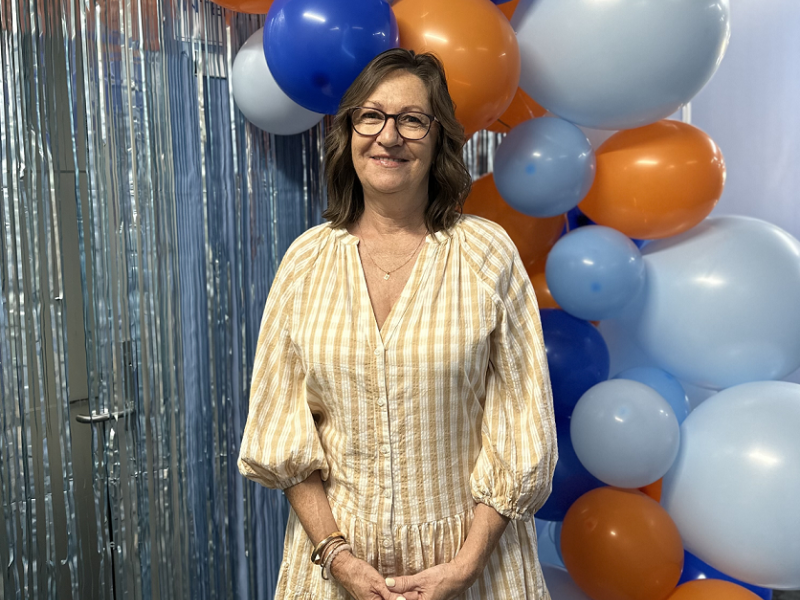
[{"x": 398, "y": 309}]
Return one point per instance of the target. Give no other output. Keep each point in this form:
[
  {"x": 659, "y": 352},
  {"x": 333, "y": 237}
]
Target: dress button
[
  {"x": 387, "y": 493},
  {"x": 387, "y": 542},
  {"x": 377, "y": 351},
  {"x": 385, "y": 449},
  {"x": 381, "y": 402}
]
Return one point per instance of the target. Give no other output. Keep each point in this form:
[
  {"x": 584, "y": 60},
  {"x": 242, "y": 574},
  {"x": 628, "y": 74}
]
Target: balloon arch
[{"x": 607, "y": 200}]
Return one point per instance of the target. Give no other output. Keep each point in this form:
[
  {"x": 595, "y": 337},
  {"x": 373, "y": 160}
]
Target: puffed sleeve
[
  {"x": 514, "y": 470},
  {"x": 280, "y": 446}
]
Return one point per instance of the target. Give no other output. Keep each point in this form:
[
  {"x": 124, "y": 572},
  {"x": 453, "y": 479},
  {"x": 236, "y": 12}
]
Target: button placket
[{"x": 385, "y": 460}]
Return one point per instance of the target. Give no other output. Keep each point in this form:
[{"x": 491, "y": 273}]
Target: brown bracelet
[{"x": 316, "y": 555}]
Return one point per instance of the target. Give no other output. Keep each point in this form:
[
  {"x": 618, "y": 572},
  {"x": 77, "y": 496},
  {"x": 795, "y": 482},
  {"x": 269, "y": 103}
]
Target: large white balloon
[
  {"x": 258, "y": 96},
  {"x": 733, "y": 489},
  {"x": 621, "y": 63},
  {"x": 721, "y": 304}
]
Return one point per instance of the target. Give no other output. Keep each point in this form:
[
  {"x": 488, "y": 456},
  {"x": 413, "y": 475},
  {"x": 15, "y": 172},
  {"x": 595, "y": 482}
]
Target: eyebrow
[{"x": 411, "y": 107}]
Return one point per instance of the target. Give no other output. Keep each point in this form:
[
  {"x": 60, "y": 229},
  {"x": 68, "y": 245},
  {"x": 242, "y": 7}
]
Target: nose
[{"x": 389, "y": 136}]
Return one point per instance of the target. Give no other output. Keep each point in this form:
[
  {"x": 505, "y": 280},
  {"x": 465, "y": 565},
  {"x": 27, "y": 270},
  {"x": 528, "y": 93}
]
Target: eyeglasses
[{"x": 410, "y": 125}]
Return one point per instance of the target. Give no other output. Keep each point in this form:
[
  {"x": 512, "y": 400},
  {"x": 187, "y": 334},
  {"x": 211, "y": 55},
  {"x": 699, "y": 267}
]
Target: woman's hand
[
  {"x": 360, "y": 579},
  {"x": 441, "y": 582}
]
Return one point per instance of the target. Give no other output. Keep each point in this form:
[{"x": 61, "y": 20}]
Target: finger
[{"x": 402, "y": 584}]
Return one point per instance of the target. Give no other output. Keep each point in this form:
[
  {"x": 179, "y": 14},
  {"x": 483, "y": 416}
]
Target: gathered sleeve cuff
[
  {"x": 281, "y": 445},
  {"x": 514, "y": 470}
]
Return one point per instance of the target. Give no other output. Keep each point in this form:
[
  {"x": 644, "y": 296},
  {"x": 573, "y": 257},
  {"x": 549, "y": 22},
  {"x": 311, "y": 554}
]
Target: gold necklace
[{"x": 387, "y": 274}]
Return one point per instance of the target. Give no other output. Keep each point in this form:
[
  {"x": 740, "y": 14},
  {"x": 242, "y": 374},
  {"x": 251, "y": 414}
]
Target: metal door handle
[{"x": 103, "y": 416}]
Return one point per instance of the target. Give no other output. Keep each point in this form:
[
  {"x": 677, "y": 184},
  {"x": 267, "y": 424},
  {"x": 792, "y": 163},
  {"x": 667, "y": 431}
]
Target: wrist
[
  {"x": 340, "y": 562},
  {"x": 465, "y": 571}
]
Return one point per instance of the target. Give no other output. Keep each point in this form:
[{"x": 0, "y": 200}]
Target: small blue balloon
[
  {"x": 316, "y": 48},
  {"x": 544, "y": 167},
  {"x": 577, "y": 357},
  {"x": 665, "y": 384},
  {"x": 694, "y": 569},
  {"x": 594, "y": 272},
  {"x": 571, "y": 480}
]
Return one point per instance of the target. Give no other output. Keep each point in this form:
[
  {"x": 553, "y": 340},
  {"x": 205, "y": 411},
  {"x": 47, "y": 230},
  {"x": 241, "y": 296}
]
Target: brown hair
[{"x": 449, "y": 181}]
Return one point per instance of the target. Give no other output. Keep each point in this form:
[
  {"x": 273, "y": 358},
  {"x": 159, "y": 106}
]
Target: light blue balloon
[
  {"x": 625, "y": 433},
  {"x": 733, "y": 490},
  {"x": 560, "y": 584},
  {"x": 665, "y": 384},
  {"x": 544, "y": 167},
  {"x": 722, "y": 303},
  {"x": 622, "y": 63},
  {"x": 545, "y": 535},
  {"x": 594, "y": 272}
]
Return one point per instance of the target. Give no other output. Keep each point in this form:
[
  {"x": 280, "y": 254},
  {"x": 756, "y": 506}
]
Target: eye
[
  {"x": 369, "y": 116},
  {"x": 414, "y": 120}
]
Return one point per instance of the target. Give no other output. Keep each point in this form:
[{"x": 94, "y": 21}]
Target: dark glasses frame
[{"x": 386, "y": 117}]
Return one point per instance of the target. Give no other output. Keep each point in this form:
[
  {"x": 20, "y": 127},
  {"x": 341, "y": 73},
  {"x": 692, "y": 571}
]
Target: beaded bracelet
[
  {"x": 316, "y": 555},
  {"x": 326, "y": 567}
]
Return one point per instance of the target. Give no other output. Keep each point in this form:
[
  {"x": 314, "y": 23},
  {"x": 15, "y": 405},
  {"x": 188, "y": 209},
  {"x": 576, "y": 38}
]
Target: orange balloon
[
  {"x": 653, "y": 490},
  {"x": 522, "y": 108},
  {"x": 533, "y": 237},
  {"x": 542, "y": 291},
  {"x": 253, "y": 7},
  {"x": 655, "y": 181},
  {"x": 621, "y": 545},
  {"x": 711, "y": 589},
  {"x": 479, "y": 50}
]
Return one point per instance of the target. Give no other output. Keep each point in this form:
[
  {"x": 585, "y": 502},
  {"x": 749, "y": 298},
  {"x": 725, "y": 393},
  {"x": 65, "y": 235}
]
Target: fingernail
[{"x": 390, "y": 583}]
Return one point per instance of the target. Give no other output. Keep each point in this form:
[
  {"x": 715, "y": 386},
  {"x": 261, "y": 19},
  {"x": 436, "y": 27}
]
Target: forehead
[{"x": 400, "y": 90}]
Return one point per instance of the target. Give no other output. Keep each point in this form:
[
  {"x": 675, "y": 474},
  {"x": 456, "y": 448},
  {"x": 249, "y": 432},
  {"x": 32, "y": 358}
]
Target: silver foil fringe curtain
[{"x": 142, "y": 221}]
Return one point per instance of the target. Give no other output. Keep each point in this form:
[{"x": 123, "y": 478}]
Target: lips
[{"x": 389, "y": 161}]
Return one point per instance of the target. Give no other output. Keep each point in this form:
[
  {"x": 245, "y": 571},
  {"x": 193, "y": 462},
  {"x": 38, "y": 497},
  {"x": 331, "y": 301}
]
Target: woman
[{"x": 400, "y": 393}]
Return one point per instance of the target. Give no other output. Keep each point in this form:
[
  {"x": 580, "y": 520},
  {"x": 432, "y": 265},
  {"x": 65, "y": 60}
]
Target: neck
[{"x": 391, "y": 215}]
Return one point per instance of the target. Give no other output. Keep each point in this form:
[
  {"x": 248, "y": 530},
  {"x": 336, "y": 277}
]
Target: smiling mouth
[{"x": 389, "y": 161}]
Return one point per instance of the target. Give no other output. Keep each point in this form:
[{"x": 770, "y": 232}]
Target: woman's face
[{"x": 386, "y": 163}]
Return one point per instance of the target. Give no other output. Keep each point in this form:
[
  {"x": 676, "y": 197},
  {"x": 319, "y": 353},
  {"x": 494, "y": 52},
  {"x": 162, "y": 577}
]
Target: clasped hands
[{"x": 363, "y": 582}]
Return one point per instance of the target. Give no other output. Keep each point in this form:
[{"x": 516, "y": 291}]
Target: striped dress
[{"x": 447, "y": 405}]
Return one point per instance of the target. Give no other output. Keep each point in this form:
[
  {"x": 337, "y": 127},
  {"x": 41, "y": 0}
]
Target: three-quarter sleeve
[
  {"x": 280, "y": 446},
  {"x": 514, "y": 470}
]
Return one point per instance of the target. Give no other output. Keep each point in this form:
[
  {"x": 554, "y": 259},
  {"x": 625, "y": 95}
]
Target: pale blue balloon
[
  {"x": 548, "y": 548},
  {"x": 722, "y": 303},
  {"x": 594, "y": 272},
  {"x": 625, "y": 433},
  {"x": 665, "y": 384},
  {"x": 560, "y": 584},
  {"x": 733, "y": 489},
  {"x": 617, "y": 64},
  {"x": 544, "y": 167}
]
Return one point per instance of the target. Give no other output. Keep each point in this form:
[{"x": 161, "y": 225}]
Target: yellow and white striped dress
[{"x": 447, "y": 405}]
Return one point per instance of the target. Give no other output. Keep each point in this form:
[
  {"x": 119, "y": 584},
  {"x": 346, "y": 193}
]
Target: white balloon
[
  {"x": 258, "y": 96},
  {"x": 733, "y": 489},
  {"x": 721, "y": 305},
  {"x": 560, "y": 584},
  {"x": 617, "y": 64}
]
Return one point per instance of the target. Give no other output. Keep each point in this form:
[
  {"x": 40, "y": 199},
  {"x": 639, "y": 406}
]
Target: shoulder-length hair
[{"x": 449, "y": 181}]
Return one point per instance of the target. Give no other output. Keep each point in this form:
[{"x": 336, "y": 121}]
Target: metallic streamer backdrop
[{"x": 142, "y": 222}]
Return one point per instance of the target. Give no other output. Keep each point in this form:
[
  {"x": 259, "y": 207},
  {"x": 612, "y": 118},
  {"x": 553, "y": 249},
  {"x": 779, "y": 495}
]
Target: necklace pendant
[{"x": 386, "y": 276}]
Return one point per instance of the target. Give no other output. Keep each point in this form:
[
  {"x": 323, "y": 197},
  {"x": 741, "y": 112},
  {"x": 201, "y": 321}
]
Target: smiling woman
[{"x": 400, "y": 393}]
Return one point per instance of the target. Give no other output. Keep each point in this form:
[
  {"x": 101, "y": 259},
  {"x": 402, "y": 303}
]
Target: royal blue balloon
[
  {"x": 571, "y": 480},
  {"x": 594, "y": 272},
  {"x": 665, "y": 384},
  {"x": 694, "y": 569},
  {"x": 544, "y": 167},
  {"x": 577, "y": 357},
  {"x": 316, "y": 48}
]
